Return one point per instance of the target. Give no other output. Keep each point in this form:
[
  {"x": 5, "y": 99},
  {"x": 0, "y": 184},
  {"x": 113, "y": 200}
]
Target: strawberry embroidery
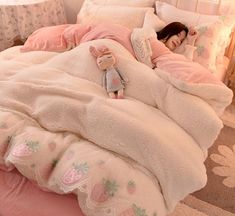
[
  {"x": 25, "y": 149},
  {"x": 52, "y": 146},
  {"x": 104, "y": 190},
  {"x": 134, "y": 211},
  {"x": 75, "y": 173},
  {"x": 131, "y": 187}
]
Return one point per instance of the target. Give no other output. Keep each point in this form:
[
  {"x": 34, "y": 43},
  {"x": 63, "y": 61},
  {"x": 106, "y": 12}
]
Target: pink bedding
[
  {"x": 64, "y": 133},
  {"x": 179, "y": 66},
  {"x": 64, "y": 37},
  {"x": 19, "y": 197}
]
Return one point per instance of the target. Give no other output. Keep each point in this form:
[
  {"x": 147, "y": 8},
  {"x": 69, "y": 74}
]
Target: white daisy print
[{"x": 226, "y": 159}]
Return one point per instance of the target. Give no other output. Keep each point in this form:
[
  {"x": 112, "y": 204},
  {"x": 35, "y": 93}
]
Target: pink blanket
[{"x": 179, "y": 66}]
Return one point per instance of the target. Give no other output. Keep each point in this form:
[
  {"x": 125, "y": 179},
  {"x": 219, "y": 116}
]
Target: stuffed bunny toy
[{"x": 113, "y": 81}]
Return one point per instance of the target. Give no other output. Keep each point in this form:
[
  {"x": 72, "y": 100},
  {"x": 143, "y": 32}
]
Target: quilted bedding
[{"x": 137, "y": 156}]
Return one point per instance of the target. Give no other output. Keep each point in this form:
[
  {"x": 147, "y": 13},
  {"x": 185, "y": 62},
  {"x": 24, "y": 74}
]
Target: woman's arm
[
  {"x": 192, "y": 36},
  {"x": 190, "y": 42}
]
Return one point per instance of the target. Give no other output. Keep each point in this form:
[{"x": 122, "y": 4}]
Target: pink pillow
[
  {"x": 56, "y": 38},
  {"x": 47, "y": 39}
]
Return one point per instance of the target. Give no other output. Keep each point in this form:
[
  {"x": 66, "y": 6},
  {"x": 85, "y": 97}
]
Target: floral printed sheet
[{"x": 137, "y": 156}]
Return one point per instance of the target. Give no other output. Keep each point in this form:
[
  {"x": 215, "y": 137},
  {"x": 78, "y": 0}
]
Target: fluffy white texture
[{"x": 63, "y": 94}]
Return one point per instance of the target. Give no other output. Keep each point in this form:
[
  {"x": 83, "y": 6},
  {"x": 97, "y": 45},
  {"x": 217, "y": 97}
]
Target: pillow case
[
  {"x": 206, "y": 44},
  {"x": 152, "y": 21},
  {"x": 58, "y": 38},
  {"x": 130, "y": 17},
  {"x": 170, "y": 13},
  {"x": 46, "y": 39}
]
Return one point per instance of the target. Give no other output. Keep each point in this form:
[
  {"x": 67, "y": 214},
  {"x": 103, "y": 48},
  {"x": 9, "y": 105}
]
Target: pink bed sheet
[{"x": 19, "y": 197}]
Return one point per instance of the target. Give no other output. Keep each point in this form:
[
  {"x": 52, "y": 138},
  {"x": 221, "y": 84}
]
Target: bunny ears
[{"x": 100, "y": 51}]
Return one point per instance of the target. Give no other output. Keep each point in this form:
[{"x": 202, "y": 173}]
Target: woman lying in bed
[
  {"x": 179, "y": 66},
  {"x": 175, "y": 33},
  {"x": 65, "y": 37}
]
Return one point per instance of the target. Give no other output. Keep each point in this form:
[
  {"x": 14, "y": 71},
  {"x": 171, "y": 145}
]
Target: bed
[{"x": 79, "y": 152}]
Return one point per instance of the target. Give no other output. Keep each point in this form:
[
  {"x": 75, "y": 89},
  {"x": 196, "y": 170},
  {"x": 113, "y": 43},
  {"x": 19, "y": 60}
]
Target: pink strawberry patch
[
  {"x": 75, "y": 173},
  {"x": 52, "y": 146},
  {"x": 134, "y": 210},
  {"x": 104, "y": 190},
  {"x": 25, "y": 149},
  {"x": 21, "y": 150},
  {"x": 99, "y": 193},
  {"x": 131, "y": 187}
]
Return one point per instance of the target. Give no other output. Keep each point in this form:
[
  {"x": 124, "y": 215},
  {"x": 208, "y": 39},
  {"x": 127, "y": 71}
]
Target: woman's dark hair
[{"x": 173, "y": 28}]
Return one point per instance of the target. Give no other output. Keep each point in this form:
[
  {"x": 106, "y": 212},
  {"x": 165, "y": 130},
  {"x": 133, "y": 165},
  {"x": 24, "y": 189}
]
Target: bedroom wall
[{"x": 71, "y": 9}]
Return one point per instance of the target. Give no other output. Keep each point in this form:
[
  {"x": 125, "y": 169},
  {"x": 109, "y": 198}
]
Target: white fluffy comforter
[{"x": 137, "y": 156}]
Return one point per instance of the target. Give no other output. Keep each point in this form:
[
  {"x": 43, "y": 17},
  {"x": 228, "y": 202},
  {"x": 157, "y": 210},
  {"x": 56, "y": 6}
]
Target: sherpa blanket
[{"x": 120, "y": 157}]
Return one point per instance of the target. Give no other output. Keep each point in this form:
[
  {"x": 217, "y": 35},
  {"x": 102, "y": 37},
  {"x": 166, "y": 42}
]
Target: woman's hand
[{"x": 192, "y": 36}]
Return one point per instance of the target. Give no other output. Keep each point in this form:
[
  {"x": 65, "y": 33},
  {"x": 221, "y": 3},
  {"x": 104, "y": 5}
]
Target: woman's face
[{"x": 175, "y": 40}]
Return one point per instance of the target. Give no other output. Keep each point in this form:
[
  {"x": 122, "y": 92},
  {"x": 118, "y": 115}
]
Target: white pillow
[
  {"x": 207, "y": 44},
  {"x": 152, "y": 21},
  {"x": 131, "y": 3},
  {"x": 170, "y": 13},
  {"x": 131, "y": 17}
]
